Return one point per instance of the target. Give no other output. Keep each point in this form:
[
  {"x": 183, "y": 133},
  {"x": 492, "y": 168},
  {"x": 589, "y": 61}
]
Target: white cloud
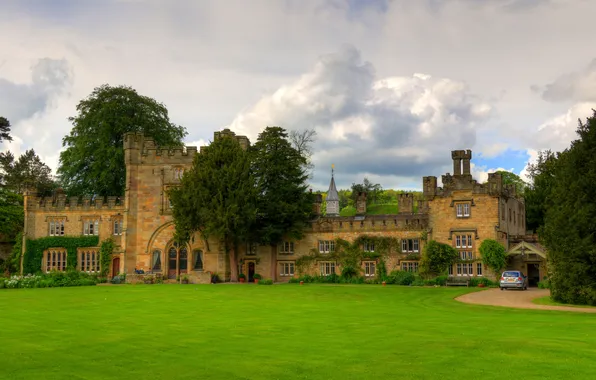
[{"x": 579, "y": 86}]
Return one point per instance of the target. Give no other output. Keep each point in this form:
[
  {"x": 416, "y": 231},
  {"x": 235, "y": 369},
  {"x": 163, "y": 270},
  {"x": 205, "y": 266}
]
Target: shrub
[
  {"x": 544, "y": 284},
  {"x": 398, "y": 277},
  {"x": 437, "y": 258},
  {"x": 493, "y": 255},
  {"x": 257, "y": 276},
  {"x": 266, "y": 282},
  {"x": 49, "y": 280},
  {"x": 437, "y": 281},
  {"x": 418, "y": 281},
  {"x": 349, "y": 271}
]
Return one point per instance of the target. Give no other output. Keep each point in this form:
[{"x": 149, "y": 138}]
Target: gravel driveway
[{"x": 517, "y": 299}]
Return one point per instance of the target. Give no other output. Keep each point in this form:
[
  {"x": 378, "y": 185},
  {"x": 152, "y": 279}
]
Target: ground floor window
[
  {"x": 286, "y": 269},
  {"x": 198, "y": 260},
  {"x": 156, "y": 260},
  {"x": 55, "y": 260},
  {"x": 465, "y": 269},
  {"x": 451, "y": 270},
  {"x": 479, "y": 269},
  {"x": 409, "y": 266},
  {"x": 89, "y": 261},
  {"x": 370, "y": 268},
  {"x": 327, "y": 268}
]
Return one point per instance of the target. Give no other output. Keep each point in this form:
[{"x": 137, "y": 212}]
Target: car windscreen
[{"x": 510, "y": 274}]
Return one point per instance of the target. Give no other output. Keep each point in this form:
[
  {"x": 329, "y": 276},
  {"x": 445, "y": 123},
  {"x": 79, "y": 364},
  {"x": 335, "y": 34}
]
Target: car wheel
[{"x": 500, "y": 288}]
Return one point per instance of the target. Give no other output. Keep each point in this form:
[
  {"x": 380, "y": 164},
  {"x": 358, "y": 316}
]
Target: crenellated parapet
[
  {"x": 404, "y": 222},
  {"x": 61, "y": 202}
]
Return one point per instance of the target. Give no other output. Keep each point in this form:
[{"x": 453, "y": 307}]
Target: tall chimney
[
  {"x": 456, "y": 156},
  {"x": 467, "y": 156}
]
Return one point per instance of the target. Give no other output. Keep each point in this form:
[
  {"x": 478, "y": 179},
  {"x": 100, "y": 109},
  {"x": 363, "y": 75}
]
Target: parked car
[{"x": 513, "y": 279}]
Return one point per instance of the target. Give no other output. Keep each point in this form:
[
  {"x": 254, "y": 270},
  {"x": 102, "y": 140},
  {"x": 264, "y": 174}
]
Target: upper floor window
[
  {"x": 410, "y": 245},
  {"x": 326, "y": 246},
  {"x": 118, "y": 227},
  {"x": 178, "y": 173},
  {"x": 54, "y": 260},
  {"x": 56, "y": 227},
  {"x": 463, "y": 210},
  {"x": 369, "y": 246},
  {"x": 251, "y": 249},
  {"x": 287, "y": 248},
  {"x": 463, "y": 241},
  {"x": 91, "y": 227}
]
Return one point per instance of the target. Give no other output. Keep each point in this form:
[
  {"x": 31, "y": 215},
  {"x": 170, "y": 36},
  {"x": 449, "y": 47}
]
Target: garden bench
[{"x": 457, "y": 282}]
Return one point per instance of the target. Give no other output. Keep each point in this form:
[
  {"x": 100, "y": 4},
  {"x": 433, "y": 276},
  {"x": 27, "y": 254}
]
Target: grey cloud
[
  {"x": 397, "y": 126},
  {"x": 49, "y": 77},
  {"x": 576, "y": 86}
]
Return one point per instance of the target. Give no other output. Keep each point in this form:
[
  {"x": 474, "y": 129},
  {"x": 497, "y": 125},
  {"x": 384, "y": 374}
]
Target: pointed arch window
[{"x": 197, "y": 259}]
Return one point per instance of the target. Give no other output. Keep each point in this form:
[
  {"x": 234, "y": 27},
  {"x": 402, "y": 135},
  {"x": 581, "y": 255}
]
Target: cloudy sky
[{"x": 391, "y": 87}]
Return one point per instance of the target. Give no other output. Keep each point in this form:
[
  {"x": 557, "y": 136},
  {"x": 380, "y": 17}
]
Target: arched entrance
[{"x": 177, "y": 260}]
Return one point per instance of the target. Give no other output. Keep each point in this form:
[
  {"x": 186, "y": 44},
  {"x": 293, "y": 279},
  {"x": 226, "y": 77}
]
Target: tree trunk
[
  {"x": 273, "y": 261},
  {"x": 234, "y": 263}
]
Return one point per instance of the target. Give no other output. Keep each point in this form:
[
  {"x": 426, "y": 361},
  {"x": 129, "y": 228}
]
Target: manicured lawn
[
  {"x": 284, "y": 332},
  {"x": 548, "y": 301}
]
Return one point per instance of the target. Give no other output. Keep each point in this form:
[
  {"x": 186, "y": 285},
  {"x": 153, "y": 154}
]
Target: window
[
  {"x": 369, "y": 246},
  {"x": 463, "y": 241},
  {"x": 326, "y": 246},
  {"x": 370, "y": 268},
  {"x": 91, "y": 227},
  {"x": 89, "y": 261},
  {"x": 286, "y": 248},
  {"x": 450, "y": 270},
  {"x": 178, "y": 173},
  {"x": 463, "y": 210},
  {"x": 503, "y": 212},
  {"x": 410, "y": 245},
  {"x": 56, "y": 227},
  {"x": 465, "y": 269},
  {"x": 55, "y": 260},
  {"x": 156, "y": 261},
  {"x": 479, "y": 269},
  {"x": 197, "y": 256},
  {"x": 118, "y": 227},
  {"x": 409, "y": 266},
  {"x": 251, "y": 249},
  {"x": 327, "y": 268},
  {"x": 286, "y": 269}
]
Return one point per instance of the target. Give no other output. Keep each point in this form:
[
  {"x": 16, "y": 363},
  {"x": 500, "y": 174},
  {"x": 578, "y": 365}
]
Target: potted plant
[
  {"x": 185, "y": 280},
  {"x": 242, "y": 277},
  {"x": 257, "y": 277}
]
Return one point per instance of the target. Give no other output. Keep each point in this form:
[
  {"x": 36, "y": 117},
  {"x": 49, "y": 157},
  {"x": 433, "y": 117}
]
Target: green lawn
[
  {"x": 284, "y": 332},
  {"x": 548, "y": 301}
]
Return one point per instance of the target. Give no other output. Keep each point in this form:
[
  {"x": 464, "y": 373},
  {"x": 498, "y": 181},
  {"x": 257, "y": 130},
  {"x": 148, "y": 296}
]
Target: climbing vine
[
  {"x": 35, "y": 247},
  {"x": 349, "y": 255},
  {"x": 105, "y": 254}
]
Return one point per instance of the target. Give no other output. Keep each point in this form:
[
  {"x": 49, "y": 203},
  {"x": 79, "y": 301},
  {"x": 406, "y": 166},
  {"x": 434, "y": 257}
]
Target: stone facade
[{"x": 142, "y": 226}]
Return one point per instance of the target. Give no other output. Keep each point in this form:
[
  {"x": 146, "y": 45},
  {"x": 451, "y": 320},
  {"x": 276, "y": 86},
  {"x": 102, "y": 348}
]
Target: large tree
[
  {"x": 371, "y": 189},
  {"x": 4, "y": 129},
  {"x": 284, "y": 203},
  {"x": 217, "y": 198},
  {"x": 569, "y": 231},
  {"x": 11, "y": 213},
  {"x": 542, "y": 180},
  {"x": 26, "y": 172},
  {"x": 93, "y": 161}
]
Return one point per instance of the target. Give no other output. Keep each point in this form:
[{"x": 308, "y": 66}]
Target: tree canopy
[
  {"x": 371, "y": 189},
  {"x": 437, "y": 258},
  {"x": 569, "y": 231},
  {"x": 27, "y": 172},
  {"x": 542, "y": 175},
  {"x": 93, "y": 161},
  {"x": 11, "y": 213},
  {"x": 217, "y": 197},
  {"x": 493, "y": 255},
  {"x": 284, "y": 203},
  {"x": 4, "y": 129},
  {"x": 512, "y": 178}
]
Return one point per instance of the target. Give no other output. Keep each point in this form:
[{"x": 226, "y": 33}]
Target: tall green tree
[
  {"x": 4, "y": 129},
  {"x": 93, "y": 161},
  {"x": 26, "y": 172},
  {"x": 11, "y": 213},
  {"x": 217, "y": 198},
  {"x": 512, "y": 178},
  {"x": 372, "y": 191},
  {"x": 569, "y": 231},
  {"x": 284, "y": 203},
  {"x": 542, "y": 179},
  {"x": 437, "y": 257}
]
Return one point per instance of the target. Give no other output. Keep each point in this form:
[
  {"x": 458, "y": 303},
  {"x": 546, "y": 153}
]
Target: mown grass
[
  {"x": 548, "y": 301},
  {"x": 284, "y": 332}
]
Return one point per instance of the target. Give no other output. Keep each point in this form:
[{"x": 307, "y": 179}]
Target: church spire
[{"x": 332, "y": 197}]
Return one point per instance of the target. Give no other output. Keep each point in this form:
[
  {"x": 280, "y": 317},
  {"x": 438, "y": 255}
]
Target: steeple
[{"x": 332, "y": 197}]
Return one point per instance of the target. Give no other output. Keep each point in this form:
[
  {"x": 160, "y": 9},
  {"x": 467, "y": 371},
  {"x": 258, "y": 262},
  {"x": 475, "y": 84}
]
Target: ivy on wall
[
  {"x": 349, "y": 255},
  {"x": 35, "y": 247},
  {"x": 105, "y": 254}
]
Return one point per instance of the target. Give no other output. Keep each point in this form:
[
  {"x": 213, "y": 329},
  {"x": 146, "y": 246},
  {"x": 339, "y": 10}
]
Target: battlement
[
  {"x": 61, "y": 202},
  {"x": 400, "y": 221},
  {"x": 139, "y": 149}
]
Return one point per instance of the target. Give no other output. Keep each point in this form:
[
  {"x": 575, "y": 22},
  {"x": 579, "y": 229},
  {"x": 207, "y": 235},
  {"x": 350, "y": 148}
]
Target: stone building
[{"x": 461, "y": 213}]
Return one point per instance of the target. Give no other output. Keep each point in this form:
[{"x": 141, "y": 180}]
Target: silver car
[{"x": 513, "y": 279}]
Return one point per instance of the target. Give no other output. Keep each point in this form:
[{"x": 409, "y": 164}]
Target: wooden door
[
  {"x": 251, "y": 271},
  {"x": 115, "y": 267}
]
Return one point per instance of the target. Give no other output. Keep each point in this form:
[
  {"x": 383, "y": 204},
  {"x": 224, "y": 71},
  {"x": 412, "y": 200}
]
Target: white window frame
[
  {"x": 56, "y": 259},
  {"x": 457, "y": 241},
  {"x": 91, "y": 227},
  {"x": 117, "y": 227},
  {"x": 462, "y": 210},
  {"x": 410, "y": 266},
  {"x": 326, "y": 246},
  {"x": 370, "y": 268},
  {"x": 466, "y": 209},
  {"x": 89, "y": 261},
  {"x": 287, "y": 269},
  {"x": 327, "y": 268},
  {"x": 469, "y": 241},
  {"x": 369, "y": 246},
  {"x": 56, "y": 227},
  {"x": 405, "y": 245},
  {"x": 478, "y": 269}
]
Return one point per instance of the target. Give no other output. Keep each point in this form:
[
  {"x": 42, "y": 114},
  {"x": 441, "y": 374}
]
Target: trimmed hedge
[{"x": 34, "y": 252}]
